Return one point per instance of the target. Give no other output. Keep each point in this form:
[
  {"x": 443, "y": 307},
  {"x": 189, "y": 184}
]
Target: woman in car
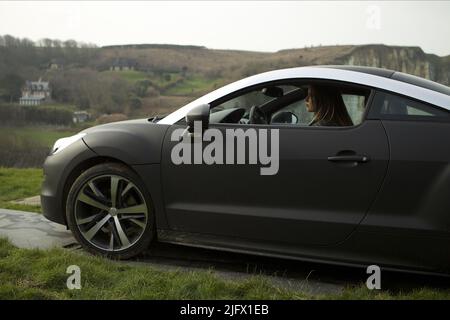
[{"x": 328, "y": 107}]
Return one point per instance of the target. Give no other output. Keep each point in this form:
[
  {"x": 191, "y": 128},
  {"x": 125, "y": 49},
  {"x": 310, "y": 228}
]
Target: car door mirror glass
[
  {"x": 285, "y": 117},
  {"x": 199, "y": 113},
  {"x": 273, "y": 92}
]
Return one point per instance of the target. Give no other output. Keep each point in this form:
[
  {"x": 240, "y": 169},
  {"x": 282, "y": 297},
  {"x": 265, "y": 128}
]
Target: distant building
[
  {"x": 35, "y": 93},
  {"x": 55, "y": 64},
  {"x": 80, "y": 116},
  {"x": 123, "y": 64}
]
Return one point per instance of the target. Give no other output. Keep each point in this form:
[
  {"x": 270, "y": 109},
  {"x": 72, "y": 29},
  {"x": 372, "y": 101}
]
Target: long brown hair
[{"x": 329, "y": 105}]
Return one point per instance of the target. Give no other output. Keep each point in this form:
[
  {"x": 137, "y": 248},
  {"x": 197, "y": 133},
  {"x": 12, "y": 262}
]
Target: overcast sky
[{"x": 252, "y": 25}]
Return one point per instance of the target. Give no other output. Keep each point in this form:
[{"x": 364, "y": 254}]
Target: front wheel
[{"x": 109, "y": 211}]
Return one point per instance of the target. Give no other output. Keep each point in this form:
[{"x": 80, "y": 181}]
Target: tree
[
  {"x": 140, "y": 87},
  {"x": 12, "y": 87},
  {"x": 47, "y": 43},
  {"x": 184, "y": 70},
  {"x": 135, "y": 103},
  {"x": 10, "y": 41}
]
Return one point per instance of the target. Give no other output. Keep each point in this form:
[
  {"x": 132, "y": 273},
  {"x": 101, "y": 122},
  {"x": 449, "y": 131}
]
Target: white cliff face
[{"x": 410, "y": 60}]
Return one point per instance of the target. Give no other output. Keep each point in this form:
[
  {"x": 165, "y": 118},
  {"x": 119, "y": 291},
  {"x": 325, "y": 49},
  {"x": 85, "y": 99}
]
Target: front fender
[{"x": 134, "y": 143}]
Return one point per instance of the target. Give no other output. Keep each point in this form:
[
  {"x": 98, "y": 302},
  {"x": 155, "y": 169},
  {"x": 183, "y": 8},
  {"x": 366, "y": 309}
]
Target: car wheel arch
[{"x": 79, "y": 169}]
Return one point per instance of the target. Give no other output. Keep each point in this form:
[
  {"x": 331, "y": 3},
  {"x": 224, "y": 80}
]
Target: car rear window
[{"x": 391, "y": 106}]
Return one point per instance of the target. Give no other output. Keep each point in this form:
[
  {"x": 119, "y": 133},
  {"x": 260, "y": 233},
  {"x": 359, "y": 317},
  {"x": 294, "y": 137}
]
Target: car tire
[{"x": 110, "y": 212}]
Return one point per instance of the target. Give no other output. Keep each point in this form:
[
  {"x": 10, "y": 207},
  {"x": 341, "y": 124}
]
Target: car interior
[{"x": 283, "y": 105}]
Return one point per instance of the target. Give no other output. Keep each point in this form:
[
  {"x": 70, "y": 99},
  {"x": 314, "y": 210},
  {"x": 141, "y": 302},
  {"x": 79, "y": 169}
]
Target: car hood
[{"x": 120, "y": 125}]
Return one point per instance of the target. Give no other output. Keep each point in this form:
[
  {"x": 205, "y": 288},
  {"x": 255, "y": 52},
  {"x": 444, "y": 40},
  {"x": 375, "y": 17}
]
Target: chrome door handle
[{"x": 349, "y": 158}]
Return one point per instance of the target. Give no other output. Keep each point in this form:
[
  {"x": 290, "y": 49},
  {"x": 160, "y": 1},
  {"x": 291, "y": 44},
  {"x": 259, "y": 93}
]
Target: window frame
[{"x": 296, "y": 82}]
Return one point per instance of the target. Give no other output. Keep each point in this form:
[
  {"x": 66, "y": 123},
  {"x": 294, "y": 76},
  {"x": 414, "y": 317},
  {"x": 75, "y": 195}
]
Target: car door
[
  {"x": 327, "y": 179},
  {"x": 415, "y": 196}
]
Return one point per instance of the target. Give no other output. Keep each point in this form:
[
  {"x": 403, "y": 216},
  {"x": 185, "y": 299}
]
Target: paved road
[{"x": 30, "y": 230}]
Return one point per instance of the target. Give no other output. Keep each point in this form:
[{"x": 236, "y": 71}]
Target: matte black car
[{"x": 375, "y": 192}]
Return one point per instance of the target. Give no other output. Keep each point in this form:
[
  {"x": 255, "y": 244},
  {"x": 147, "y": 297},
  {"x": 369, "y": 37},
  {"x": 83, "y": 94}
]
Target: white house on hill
[{"x": 35, "y": 93}]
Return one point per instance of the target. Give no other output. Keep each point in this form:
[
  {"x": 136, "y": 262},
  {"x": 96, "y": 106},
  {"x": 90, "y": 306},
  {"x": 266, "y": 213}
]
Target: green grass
[
  {"x": 40, "y": 135},
  {"x": 36, "y": 274},
  {"x": 362, "y": 293},
  {"x": 68, "y": 107},
  {"x": 130, "y": 76},
  {"x": 25, "y": 147},
  {"x": 192, "y": 86},
  {"x": 39, "y": 274},
  {"x": 162, "y": 81},
  {"x": 18, "y": 184}
]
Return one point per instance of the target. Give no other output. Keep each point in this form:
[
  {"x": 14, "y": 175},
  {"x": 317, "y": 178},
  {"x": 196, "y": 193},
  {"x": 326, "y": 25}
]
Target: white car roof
[{"x": 371, "y": 77}]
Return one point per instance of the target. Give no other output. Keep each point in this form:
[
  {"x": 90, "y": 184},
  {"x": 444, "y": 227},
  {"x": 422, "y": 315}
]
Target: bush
[
  {"x": 152, "y": 92},
  {"x": 21, "y": 115},
  {"x": 21, "y": 152},
  {"x": 106, "y": 118},
  {"x": 135, "y": 103}
]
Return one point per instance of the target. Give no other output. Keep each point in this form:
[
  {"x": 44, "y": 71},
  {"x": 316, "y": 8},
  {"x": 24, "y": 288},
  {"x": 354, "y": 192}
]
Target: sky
[{"x": 242, "y": 25}]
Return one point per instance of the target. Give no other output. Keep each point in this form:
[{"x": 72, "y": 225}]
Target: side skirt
[{"x": 323, "y": 255}]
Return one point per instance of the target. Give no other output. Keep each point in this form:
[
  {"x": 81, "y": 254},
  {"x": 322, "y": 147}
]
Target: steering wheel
[{"x": 256, "y": 116}]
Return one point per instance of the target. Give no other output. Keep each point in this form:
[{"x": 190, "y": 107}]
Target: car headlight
[{"x": 63, "y": 143}]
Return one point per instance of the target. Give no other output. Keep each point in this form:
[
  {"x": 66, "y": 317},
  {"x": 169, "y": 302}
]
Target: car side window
[
  {"x": 395, "y": 107},
  {"x": 354, "y": 103},
  {"x": 300, "y": 103},
  {"x": 301, "y": 115},
  {"x": 245, "y": 101}
]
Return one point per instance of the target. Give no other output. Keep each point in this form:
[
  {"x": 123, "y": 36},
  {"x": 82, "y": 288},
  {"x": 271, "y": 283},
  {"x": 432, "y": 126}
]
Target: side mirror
[
  {"x": 199, "y": 113},
  {"x": 286, "y": 117},
  {"x": 273, "y": 92}
]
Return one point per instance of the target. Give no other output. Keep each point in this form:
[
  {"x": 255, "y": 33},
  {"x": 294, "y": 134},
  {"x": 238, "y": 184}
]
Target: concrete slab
[{"x": 32, "y": 230}]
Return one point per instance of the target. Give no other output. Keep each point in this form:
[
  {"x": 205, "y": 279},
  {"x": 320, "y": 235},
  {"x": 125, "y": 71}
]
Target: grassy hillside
[
  {"x": 130, "y": 76},
  {"x": 194, "y": 71},
  {"x": 85, "y": 81},
  {"x": 41, "y": 135},
  {"x": 27, "y": 146},
  {"x": 234, "y": 64},
  {"x": 166, "y": 78}
]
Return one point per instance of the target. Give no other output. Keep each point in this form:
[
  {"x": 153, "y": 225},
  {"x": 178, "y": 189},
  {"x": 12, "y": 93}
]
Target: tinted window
[
  {"x": 249, "y": 99},
  {"x": 355, "y": 106},
  {"x": 285, "y": 104},
  {"x": 390, "y": 106},
  {"x": 246, "y": 101},
  {"x": 354, "y": 103}
]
